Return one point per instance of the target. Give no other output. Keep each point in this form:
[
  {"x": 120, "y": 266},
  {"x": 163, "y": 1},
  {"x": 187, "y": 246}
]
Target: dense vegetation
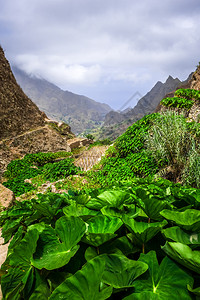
[
  {"x": 32, "y": 165},
  {"x": 136, "y": 236},
  {"x": 183, "y": 98},
  {"x": 140, "y": 241}
]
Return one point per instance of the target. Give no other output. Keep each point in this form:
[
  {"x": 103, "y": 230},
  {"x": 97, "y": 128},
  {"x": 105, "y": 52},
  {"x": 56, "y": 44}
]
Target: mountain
[
  {"x": 23, "y": 127},
  {"x": 117, "y": 122},
  {"x": 80, "y": 112}
]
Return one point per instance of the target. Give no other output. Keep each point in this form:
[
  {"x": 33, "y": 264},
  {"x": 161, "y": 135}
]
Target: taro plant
[{"x": 140, "y": 241}]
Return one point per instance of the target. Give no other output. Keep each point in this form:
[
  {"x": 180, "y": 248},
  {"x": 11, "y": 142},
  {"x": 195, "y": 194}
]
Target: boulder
[{"x": 7, "y": 197}]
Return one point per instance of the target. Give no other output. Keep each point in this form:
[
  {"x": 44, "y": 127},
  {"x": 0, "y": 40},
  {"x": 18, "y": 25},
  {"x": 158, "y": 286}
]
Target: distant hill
[
  {"x": 78, "y": 111},
  {"x": 117, "y": 122}
]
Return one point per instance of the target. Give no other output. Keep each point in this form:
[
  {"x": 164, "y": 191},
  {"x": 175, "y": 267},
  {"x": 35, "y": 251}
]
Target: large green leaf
[
  {"x": 84, "y": 284},
  {"x": 78, "y": 210},
  {"x": 70, "y": 230},
  {"x": 184, "y": 255},
  {"x": 151, "y": 205},
  {"x": 22, "y": 254},
  {"x": 163, "y": 282},
  {"x": 11, "y": 284},
  {"x": 188, "y": 219},
  {"x": 101, "y": 229},
  {"x": 178, "y": 235},
  {"x": 56, "y": 247},
  {"x": 131, "y": 211},
  {"x": 20, "y": 275},
  {"x": 113, "y": 198},
  {"x": 104, "y": 224},
  {"x": 143, "y": 232},
  {"x": 120, "y": 272},
  {"x": 9, "y": 228}
]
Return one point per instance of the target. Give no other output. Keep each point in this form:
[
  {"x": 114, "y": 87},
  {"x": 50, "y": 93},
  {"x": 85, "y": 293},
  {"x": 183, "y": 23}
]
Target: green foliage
[
  {"x": 188, "y": 94},
  {"x": 104, "y": 142},
  {"x": 132, "y": 141},
  {"x": 90, "y": 136},
  {"x": 177, "y": 102},
  {"x": 42, "y": 158},
  {"x": 170, "y": 141},
  {"x": 36, "y": 164},
  {"x": 183, "y": 98},
  {"x": 128, "y": 157},
  {"x": 104, "y": 244},
  {"x": 191, "y": 172},
  {"x": 58, "y": 170},
  {"x": 18, "y": 186}
]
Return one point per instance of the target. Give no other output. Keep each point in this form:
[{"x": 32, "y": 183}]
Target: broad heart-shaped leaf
[
  {"x": 151, "y": 205},
  {"x": 78, "y": 210},
  {"x": 82, "y": 199},
  {"x": 113, "y": 198},
  {"x": 131, "y": 211},
  {"x": 23, "y": 252},
  {"x": 101, "y": 229},
  {"x": 20, "y": 274},
  {"x": 120, "y": 272},
  {"x": 143, "y": 232},
  {"x": 9, "y": 228},
  {"x": 178, "y": 235},
  {"x": 104, "y": 224},
  {"x": 188, "y": 219},
  {"x": 164, "y": 282},
  {"x": 70, "y": 230},
  {"x": 84, "y": 284},
  {"x": 184, "y": 255},
  {"x": 50, "y": 252},
  {"x": 97, "y": 239}
]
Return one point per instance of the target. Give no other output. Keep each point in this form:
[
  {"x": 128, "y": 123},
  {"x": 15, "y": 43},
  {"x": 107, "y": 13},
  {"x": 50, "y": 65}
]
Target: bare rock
[{"x": 7, "y": 197}]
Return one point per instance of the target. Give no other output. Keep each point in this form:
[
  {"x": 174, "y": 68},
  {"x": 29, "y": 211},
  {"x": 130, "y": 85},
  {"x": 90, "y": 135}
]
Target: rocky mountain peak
[{"x": 17, "y": 112}]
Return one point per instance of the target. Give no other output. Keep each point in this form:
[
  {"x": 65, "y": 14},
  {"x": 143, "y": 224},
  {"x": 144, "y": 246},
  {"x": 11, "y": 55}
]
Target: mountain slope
[
  {"x": 78, "y": 111},
  {"x": 23, "y": 127},
  {"x": 13, "y": 102},
  {"x": 116, "y": 122}
]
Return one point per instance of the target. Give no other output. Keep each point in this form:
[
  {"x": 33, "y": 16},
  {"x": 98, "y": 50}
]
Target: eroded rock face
[
  {"x": 43, "y": 139},
  {"x": 17, "y": 112},
  {"x": 7, "y": 197},
  {"x": 195, "y": 82},
  {"x": 23, "y": 127}
]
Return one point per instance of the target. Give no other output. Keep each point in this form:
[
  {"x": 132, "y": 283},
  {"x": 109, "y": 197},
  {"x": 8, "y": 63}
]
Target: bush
[
  {"x": 191, "y": 174},
  {"x": 59, "y": 170},
  {"x": 177, "y": 102}
]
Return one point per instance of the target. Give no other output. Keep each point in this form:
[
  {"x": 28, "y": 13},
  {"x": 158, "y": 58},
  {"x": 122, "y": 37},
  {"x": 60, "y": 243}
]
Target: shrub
[
  {"x": 191, "y": 174},
  {"x": 59, "y": 170},
  {"x": 177, "y": 102}
]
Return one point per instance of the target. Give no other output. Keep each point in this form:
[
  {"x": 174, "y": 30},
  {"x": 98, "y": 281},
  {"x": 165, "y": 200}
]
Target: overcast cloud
[{"x": 104, "y": 49}]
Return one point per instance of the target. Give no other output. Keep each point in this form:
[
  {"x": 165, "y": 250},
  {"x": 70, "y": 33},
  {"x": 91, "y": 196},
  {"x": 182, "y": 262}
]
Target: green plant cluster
[
  {"x": 139, "y": 241},
  {"x": 188, "y": 94},
  {"x": 104, "y": 142},
  {"x": 183, "y": 98},
  {"x": 177, "y": 102},
  {"x": 174, "y": 144},
  {"x": 128, "y": 157},
  {"x": 33, "y": 165},
  {"x": 42, "y": 158},
  {"x": 59, "y": 170}
]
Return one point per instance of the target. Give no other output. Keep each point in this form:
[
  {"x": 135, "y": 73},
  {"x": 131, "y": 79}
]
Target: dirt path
[{"x": 90, "y": 157}]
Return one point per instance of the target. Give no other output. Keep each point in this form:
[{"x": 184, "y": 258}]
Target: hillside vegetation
[{"x": 127, "y": 229}]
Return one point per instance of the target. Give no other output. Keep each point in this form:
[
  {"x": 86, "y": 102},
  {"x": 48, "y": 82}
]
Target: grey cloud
[{"x": 126, "y": 44}]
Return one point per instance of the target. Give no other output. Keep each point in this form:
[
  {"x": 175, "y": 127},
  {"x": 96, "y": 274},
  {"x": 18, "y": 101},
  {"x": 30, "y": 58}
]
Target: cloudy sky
[{"x": 104, "y": 49}]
